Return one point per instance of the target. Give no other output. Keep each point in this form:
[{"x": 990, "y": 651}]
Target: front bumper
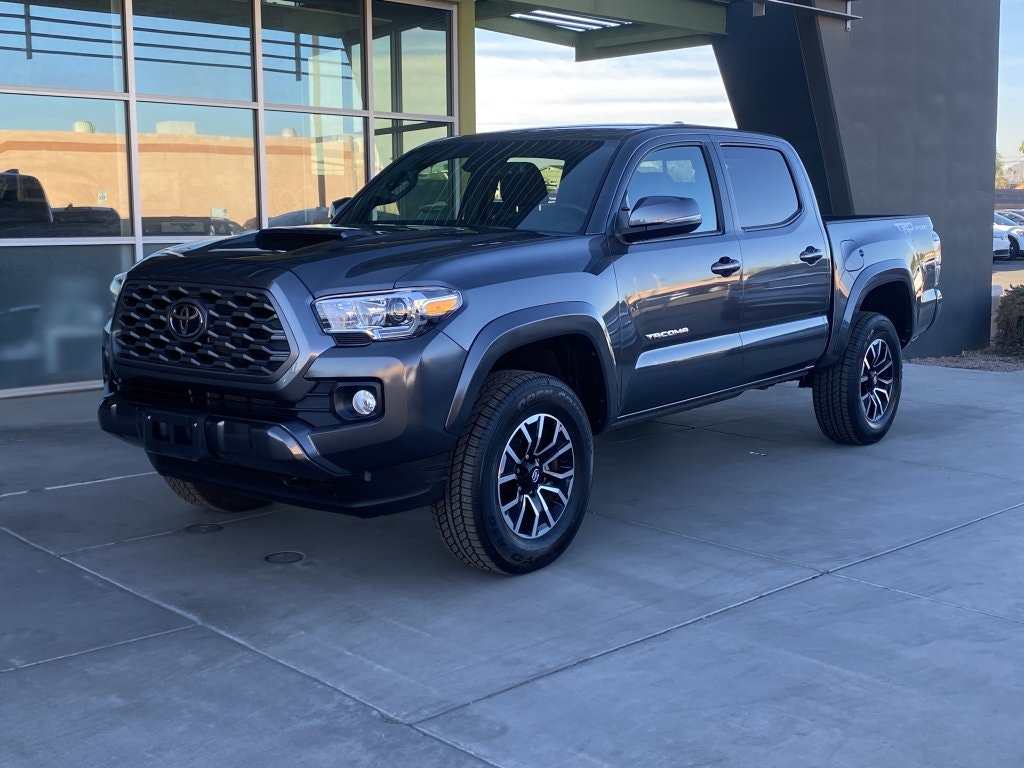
[
  {"x": 292, "y": 442},
  {"x": 269, "y": 461}
]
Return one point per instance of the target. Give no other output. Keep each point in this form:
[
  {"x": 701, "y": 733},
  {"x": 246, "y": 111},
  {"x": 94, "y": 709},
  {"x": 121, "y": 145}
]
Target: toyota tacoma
[{"x": 485, "y": 305}]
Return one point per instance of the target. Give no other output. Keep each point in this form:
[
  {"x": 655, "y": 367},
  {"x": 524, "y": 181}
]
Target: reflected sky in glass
[{"x": 62, "y": 47}]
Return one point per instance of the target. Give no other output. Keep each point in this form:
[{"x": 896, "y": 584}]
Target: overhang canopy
[{"x": 600, "y": 29}]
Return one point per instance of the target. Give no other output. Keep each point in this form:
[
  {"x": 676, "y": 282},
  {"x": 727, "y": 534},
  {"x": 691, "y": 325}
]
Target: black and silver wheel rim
[
  {"x": 535, "y": 476},
  {"x": 877, "y": 377}
]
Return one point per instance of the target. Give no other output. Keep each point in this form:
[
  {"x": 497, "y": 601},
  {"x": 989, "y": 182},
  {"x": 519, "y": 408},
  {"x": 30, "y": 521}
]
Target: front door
[{"x": 680, "y": 295}]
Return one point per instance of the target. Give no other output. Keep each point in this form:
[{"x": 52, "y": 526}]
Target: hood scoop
[{"x": 293, "y": 238}]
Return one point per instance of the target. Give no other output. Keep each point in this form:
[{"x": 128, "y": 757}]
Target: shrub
[{"x": 1010, "y": 322}]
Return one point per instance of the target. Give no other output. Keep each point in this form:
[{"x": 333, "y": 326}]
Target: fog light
[{"x": 363, "y": 402}]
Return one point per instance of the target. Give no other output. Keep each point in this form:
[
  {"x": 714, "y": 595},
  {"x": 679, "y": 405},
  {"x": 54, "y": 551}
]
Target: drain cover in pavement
[
  {"x": 284, "y": 557},
  {"x": 203, "y": 528}
]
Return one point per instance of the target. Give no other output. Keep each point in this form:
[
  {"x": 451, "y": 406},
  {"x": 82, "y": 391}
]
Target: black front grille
[{"x": 243, "y": 333}]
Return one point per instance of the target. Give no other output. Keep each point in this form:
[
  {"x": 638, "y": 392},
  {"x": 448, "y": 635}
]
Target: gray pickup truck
[{"x": 486, "y": 304}]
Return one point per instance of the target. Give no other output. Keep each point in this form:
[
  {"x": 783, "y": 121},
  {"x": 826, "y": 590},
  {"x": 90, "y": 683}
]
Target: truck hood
[{"x": 332, "y": 259}]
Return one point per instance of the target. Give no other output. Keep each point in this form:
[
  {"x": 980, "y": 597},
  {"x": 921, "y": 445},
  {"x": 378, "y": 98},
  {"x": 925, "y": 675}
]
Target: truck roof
[{"x": 605, "y": 131}]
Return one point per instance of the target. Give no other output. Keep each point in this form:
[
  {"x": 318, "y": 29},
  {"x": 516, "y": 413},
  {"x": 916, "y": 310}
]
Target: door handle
[
  {"x": 725, "y": 266},
  {"x": 811, "y": 255}
]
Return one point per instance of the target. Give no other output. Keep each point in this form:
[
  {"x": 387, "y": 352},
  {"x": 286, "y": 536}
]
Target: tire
[
  {"x": 856, "y": 398},
  {"x": 1014, "y": 249},
  {"x": 507, "y": 509},
  {"x": 213, "y": 498}
]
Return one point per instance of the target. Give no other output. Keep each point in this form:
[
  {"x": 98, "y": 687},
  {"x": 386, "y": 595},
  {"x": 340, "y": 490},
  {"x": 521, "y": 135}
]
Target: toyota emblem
[{"x": 186, "y": 319}]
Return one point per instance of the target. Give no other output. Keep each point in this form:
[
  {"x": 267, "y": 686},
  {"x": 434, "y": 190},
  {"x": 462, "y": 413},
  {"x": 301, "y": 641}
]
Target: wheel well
[
  {"x": 892, "y": 300},
  {"x": 574, "y": 360}
]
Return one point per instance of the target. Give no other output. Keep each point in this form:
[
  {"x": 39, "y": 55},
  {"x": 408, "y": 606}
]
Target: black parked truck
[{"x": 485, "y": 305}]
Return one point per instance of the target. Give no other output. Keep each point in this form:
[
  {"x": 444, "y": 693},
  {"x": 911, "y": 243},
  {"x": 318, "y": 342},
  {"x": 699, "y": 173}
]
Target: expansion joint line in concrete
[
  {"x": 87, "y": 651},
  {"x": 929, "y": 537},
  {"x": 75, "y": 485},
  {"x": 946, "y": 603},
  {"x": 620, "y": 647},
  {"x": 197, "y": 622}
]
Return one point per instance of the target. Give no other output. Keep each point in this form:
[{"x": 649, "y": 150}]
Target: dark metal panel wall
[
  {"x": 897, "y": 115},
  {"x": 763, "y": 66}
]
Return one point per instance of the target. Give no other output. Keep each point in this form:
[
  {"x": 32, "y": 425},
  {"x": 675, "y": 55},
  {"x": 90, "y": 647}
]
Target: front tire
[
  {"x": 855, "y": 398},
  {"x": 213, "y": 498},
  {"x": 520, "y": 475}
]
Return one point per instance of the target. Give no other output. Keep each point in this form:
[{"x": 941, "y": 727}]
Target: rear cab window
[{"x": 764, "y": 193}]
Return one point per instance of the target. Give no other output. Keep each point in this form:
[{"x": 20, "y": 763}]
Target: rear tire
[
  {"x": 213, "y": 498},
  {"x": 520, "y": 475},
  {"x": 855, "y": 398}
]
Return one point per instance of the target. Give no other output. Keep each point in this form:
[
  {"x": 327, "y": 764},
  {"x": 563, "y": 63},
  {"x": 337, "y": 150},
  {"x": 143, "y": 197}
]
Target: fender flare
[
  {"x": 881, "y": 273},
  {"x": 525, "y": 326}
]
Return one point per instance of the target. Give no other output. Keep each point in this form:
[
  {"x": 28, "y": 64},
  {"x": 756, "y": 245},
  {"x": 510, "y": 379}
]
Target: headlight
[{"x": 390, "y": 315}]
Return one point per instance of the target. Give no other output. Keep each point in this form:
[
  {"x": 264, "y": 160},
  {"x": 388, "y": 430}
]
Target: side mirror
[
  {"x": 336, "y": 206},
  {"x": 658, "y": 216}
]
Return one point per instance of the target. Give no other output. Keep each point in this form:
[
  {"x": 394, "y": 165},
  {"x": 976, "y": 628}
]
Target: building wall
[
  {"x": 904, "y": 114},
  {"x": 81, "y": 169},
  {"x": 914, "y": 87},
  {"x": 194, "y": 119}
]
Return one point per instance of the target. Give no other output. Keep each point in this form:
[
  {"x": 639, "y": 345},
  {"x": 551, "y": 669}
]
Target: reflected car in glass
[{"x": 24, "y": 209}]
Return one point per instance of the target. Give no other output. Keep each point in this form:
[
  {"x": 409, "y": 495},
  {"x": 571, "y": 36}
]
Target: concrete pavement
[
  {"x": 1007, "y": 273},
  {"x": 744, "y": 593}
]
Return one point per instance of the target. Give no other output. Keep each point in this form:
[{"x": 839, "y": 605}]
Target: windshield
[
  {"x": 1003, "y": 221},
  {"x": 545, "y": 185}
]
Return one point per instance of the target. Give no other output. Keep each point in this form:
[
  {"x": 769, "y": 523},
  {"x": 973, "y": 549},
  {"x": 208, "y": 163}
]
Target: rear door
[
  {"x": 680, "y": 294},
  {"x": 787, "y": 268}
]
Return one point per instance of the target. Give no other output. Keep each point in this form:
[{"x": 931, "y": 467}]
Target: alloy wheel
[
  {"x": 876, "y": 381},
  {"x": 535, "y": 476}
]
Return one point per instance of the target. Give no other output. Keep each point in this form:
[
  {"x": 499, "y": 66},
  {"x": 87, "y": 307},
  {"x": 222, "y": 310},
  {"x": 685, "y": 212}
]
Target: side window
[
  {"x": 676, "y": 172},
  {"x": 762, "y": 186}
]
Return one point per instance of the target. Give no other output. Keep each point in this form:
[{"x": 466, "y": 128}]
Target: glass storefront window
[
  {"x": 396, "y": 137},
  {"x": 63, "y": 167},
  {"x": 62, "y": 45},
  {"x": 312, "y": 160},
  {"x": 198, "y": 169},
  {"x": 197, "y": 50},
  {"x": 54, "y": 301},
  {"x": 411, "y": 46},
  {"x": 311, "y": 53},
  {"x": 68, "y": 207}
]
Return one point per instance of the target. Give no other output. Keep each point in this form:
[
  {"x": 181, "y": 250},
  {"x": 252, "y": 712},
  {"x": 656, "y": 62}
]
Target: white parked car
[
  {"x": 1000, "y": 243},
  {"x": 1012, "y": 230},
  {"x": 1015, "y": 216}
]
